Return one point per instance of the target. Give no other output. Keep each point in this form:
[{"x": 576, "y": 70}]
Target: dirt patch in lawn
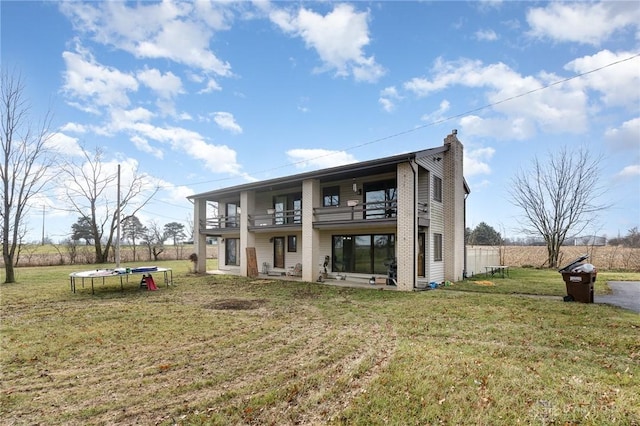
[{"x": 235, "y": 304}]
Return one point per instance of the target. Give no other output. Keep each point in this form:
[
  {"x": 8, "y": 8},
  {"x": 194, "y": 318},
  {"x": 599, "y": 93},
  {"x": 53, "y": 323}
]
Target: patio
[{"x": 349, "y": 281}]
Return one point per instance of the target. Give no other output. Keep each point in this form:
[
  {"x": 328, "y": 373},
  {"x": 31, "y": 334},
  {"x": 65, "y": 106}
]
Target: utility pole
[
  {"x": 43, "y": 224},
  {"x": 118, "y": 223}
]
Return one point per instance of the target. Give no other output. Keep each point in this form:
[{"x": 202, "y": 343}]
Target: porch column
[
  {"x": 310, "y": 235},
  {"x": 247, "y": 238},
  {"x": 199, "y": 238},
  {"x": 406, "y": 238}
]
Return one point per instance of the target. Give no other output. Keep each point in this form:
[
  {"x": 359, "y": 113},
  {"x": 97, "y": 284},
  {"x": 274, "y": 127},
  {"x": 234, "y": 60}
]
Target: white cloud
[
  {"x": 212, "y": 86},
  {"x": 74, "y": 128},
  {"x": 95, "y": 84},
  {"x": 137, "y": 123},
  {"x": 613, "y": 82},
  {"x": 630, "y": 171},
  {"x": 226, "y": 121},
  {"x": 339, "y": 38},
  {"x": 216, "y": 158},
  {"x": 165, "y": 85},
  {"x": 517, "y": 128},
  {"x": 559, "y": 108},
  {"x": 143, "y": 145},
  {"x": 582, "y": 22},
  {"x": 626, "y": 137},
  {"x": 122, "y": 119},
  {"x": 438, "y": 114},
  {"x": 319, "y": 158},
  {"x": 387, "y": 98},
  {"x": 476, "y": 161},
  {"x": 175, "y": 193},
  {"x": 486, "y": 35},
  {"x": 165, "y": 30},
  {"x": 63, "y": 144},
  {"x": 387, "y": 104}
]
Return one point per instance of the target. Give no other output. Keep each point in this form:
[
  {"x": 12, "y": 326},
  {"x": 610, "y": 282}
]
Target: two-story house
[{"x": 354, "y": 220}]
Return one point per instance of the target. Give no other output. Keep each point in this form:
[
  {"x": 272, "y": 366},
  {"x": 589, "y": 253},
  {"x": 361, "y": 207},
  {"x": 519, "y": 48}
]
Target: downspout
[
  {"x": 464, "y": 218},
  {"x": 415, "y": 220}
]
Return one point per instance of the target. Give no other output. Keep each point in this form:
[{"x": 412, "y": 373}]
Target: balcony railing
[
  {"x": 276, "y": 218},
  {"x": 221, "y": 222},
  {"x": 353, "y": 211},
  {"x": 357, "y": 211}
]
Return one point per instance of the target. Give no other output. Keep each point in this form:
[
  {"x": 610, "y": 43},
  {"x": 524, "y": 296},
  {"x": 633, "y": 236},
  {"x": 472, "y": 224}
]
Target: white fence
[{"x": 480, "y": 256}]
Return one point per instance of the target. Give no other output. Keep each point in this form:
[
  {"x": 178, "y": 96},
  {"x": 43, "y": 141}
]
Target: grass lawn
[{"x": 217, "y": 350}]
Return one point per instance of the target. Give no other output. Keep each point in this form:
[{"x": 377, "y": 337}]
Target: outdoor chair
[{"x": 295, "y": 271}]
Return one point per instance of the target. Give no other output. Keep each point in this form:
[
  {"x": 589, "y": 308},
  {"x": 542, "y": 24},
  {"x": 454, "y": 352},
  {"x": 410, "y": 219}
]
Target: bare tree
[
  {"x": 154, "y": 238},
  {"x": 558, "y": 197},
  {"x": 25, "y": 165},
  {"x": 190, "y": 228},
  {"x": 90, "y": 189}
]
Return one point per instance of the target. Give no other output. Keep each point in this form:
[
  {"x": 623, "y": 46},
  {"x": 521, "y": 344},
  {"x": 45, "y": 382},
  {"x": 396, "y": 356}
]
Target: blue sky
[{"x": 203, "y": 95}]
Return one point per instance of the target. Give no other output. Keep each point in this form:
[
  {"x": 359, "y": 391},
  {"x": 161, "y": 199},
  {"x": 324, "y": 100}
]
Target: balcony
[
  {"x": 275, "y": 219},
  {"x": 221, "y": 225},
  {"x": 381, "y": 213},
  {"x": 377, "y": 213}
]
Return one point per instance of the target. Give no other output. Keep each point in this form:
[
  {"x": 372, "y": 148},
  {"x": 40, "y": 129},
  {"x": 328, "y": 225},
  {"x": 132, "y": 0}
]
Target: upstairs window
[
  {"x": 437, "y": 188},
  {"x": 380, "y": 199},
  {"x": 288, "y": 209},
  {"x": 331, "y": 196},
  {"x": 232, "y": 212},
  {"x": 437, "y": 247}
]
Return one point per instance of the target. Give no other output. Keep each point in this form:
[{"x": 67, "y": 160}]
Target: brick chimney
[{"x": 453, "y": 194}]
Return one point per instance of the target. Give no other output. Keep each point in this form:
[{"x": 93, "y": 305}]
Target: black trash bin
[{"x": 579, "y": 284}]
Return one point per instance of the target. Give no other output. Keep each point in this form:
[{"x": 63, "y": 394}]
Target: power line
[{"x": 433, "y": 123}]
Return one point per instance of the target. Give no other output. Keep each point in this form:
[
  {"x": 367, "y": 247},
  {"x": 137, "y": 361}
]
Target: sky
[{"x": 203, "y": 95}]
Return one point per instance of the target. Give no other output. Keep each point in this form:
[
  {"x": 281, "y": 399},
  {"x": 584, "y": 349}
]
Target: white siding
[
  {"x": 434, "y": 269},
  {"x": 346, "y": 187},
  {"x": 264, "y": 250}
]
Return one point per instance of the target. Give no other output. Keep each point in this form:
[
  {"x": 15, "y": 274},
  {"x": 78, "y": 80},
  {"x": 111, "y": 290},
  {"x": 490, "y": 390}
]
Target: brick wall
[
  {"x": 453, "y": 203},
  {"x": 406, "y": 237}
]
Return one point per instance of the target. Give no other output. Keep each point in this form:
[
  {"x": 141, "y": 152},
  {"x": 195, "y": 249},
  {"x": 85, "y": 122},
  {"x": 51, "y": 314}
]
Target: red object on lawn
[{"x": 147, "y": 281}]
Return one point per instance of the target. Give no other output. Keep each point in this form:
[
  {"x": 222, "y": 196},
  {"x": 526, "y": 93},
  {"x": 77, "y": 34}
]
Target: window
[
  {"x": 437, "y": 247},
  {"x": 292, "y": 243},
  {"x": 295, "y": 207},
  {"x": 380, "y": 199},
  {"x": 231, "y": 249},
  {"x": 232, "y": 212},
  {"x": 363, "y": 254},
  {"x": 437, "y": 188},
  {"x": 288, "y": 209},
  {"x": 331, "y": 196}
]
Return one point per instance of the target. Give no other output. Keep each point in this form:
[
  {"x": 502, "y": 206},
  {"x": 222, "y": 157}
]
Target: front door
[
  {"x": 421, "y": 254},
  {"x": 278, "y": 252}
]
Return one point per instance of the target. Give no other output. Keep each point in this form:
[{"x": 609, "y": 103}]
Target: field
[
  {"x": 61, "y": 254},
  {"x": 603, "y": 257},
  {"x": 218, "y": 350}
]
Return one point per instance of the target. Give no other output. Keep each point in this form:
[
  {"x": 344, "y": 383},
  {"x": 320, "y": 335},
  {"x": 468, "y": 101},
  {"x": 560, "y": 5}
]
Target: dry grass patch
[
  {"x": 235, "y": 304},
  {"x": 222, "y": 350}
]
